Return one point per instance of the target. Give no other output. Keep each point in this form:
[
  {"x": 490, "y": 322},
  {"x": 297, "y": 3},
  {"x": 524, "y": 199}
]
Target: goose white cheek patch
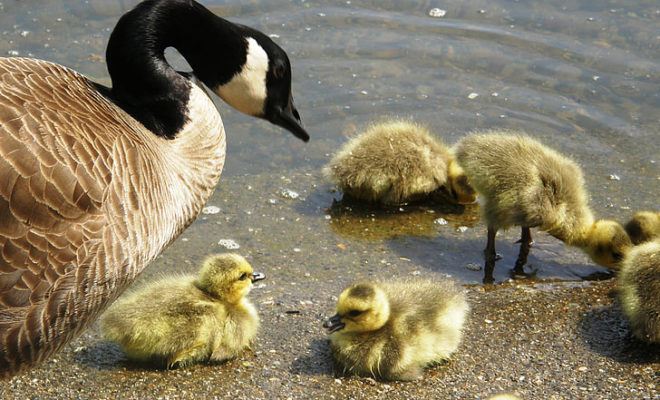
[{"x": 246, "y": 91}]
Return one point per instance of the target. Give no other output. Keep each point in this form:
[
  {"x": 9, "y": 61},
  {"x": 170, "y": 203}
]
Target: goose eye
[
  {"x": 617, "y": 257},
  {"x": 243, "y": 277},
  {"x": 279, "y": 69},
  {"x": 354, "y": 313}
]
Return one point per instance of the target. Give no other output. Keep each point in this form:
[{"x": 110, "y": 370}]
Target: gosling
[
  {"x": 643, "y": 226},
  {"x": 639, "y": 290},
  {"x": 524, "y": 183},
  {"x": 398, "y": 162},
  {"x": 392, "y": 330},
  {"x": 181, "y": 320}
]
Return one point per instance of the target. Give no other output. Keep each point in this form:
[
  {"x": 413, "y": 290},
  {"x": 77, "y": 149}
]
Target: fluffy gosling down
[
  {"x": 643, "y": 226},
  {"x": 397, "y": 162},
  {"x": 181, "y": 320},
  {"x": 639, "y": 290},
  {"x": 524, "y": 183},
  {"x": 391, "y": 330}
]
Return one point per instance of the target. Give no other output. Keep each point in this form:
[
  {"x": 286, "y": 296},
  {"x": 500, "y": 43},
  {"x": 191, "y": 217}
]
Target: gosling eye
[
  {"x": 243, "y": 277},
  {"x": 354, "y": 313},
  {"x": 617, "y": 257}
]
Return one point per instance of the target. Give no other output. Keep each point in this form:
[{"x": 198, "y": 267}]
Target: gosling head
[
  {"x": 362, "y": 307},
  {"x": 227, "y": 277},
  {"x": 459, "y": 187},
  {"x": 642, "y": 226},
  {"x": 607, "y": 243}
]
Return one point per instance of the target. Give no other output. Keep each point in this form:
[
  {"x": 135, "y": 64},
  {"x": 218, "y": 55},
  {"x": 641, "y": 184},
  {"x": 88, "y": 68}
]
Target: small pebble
[
  {"x": 473, "y": 267},
  {"x": 210, "y": 210},
  {"x": 440, "y": 221},
  {"x": 437, "y": 13},
  {"x": 229, "y": 244},
  {"x": 289, "y": 194},
  {"x": 473, "y": 95}
]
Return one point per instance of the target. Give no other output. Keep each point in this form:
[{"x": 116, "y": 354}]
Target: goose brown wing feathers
[{"x": 56, "y": 246}]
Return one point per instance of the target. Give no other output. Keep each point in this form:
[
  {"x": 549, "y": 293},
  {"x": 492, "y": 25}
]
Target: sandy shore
[{"x": 541, "y": 341}]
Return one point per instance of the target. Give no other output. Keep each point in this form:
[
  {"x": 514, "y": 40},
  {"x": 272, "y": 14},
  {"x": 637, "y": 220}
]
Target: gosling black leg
[
  {"x": 525, "y": 243},
  {"x": 490, "y": 256}
]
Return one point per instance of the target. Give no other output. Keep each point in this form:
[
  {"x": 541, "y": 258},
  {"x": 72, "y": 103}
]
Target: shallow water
[{"x": 582, "y": 76}]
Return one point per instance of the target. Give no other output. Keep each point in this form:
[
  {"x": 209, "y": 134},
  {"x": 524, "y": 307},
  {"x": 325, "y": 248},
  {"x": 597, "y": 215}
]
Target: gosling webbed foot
[{"x": 521, "y": 274}]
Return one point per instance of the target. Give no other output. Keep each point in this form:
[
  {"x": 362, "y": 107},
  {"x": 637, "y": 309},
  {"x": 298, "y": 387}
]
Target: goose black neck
[{"x": 144, "y": 84}]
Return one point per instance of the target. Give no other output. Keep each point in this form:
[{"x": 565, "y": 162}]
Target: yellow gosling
[
  {"x": 181, "y": 320},
  {"x": 397, "y": 162},
  {"x": 639, "y": 290},
  {"x": 643, "y": 226},
  {"x": 391, "y": 330},
  {"x": 524, "y": 183}
]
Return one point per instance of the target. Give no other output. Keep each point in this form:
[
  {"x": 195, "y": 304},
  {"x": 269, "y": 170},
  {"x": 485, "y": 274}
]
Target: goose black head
[
  {"x": 240, "y": 64},
  {"x": 262, "y": 86}
]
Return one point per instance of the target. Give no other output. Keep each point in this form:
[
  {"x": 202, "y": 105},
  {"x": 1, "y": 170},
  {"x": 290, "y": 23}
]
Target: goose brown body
[{"x": 73, "y": 199}]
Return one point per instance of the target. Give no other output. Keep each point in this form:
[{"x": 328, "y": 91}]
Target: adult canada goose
[
  {"x": 524, "y": 183},
  {"x": 391, "y": 330},
  {"x": 396, "y": 162},
  {"x": 95, "y": 182},
  {"x": 643, "y": 226},
  {"x": 180, "y": 320},
  {"x": 639, "y": 290}
]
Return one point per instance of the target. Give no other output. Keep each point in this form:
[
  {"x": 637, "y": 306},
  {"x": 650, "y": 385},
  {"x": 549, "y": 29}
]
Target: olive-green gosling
[
  {"x": 524, "y": 183},
  {"x": 397, "y": 162},
  {"x": 392, "y": 330},
  {"x": 643, "y": 226},
  {"x": 639, "y": 290},
  {"x": 181, "y": 320}
]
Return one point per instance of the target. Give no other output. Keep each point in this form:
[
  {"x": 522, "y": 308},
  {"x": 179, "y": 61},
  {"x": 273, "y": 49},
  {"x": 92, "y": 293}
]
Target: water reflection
[{"x": 357, "y": 220}]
